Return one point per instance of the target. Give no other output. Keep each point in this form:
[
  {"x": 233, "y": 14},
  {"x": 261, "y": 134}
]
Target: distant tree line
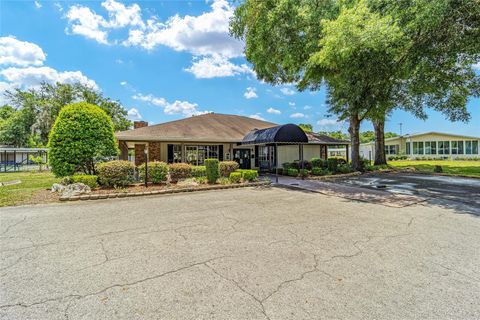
[{"x": 28, "y": 118}]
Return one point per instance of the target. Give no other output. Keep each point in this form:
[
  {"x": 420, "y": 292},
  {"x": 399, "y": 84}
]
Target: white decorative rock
[{"x": 75, "y": 189}]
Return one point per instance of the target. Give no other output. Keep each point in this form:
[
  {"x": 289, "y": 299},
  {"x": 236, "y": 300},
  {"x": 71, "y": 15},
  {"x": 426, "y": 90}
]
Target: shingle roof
[
  {"x": 211, "y": 127},
  {"x": 323, "y": 139}
]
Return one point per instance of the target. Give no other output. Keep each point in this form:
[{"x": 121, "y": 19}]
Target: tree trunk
[
  {"x": 354, "y": 131},
  {"x": 379, "y": 126}
]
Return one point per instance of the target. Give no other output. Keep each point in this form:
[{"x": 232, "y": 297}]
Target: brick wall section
[
  {"x": 154, "y": 151},
  {"x": 139, "y": 154},
  {"x": 123, "y": 150},
  {"x": 140, "y": 124}
]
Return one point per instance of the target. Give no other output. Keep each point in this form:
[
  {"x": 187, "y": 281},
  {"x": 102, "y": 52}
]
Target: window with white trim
[
  {"x": 430, "y": 147},
  {"x": 471, "y": 147},
  {"x": 457, "y": 147},
  {"x": 443, "y": 147}
]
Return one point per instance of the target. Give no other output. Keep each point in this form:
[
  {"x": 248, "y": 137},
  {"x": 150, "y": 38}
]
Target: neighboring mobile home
[
  {"x": 252, "y": 143},
  {"x": 429, "y": 145}
]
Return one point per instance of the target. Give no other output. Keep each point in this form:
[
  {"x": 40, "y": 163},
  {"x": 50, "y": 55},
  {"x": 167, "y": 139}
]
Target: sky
[{"x": 164, "y": 60}]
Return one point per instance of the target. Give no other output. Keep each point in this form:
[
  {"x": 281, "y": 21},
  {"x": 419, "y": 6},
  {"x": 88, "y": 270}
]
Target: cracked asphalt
[{"x": 252, "y": 253}]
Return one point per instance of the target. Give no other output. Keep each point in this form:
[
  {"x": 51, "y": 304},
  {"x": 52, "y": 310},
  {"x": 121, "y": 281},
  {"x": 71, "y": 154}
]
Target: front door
[{"x": 242, "y": 156}]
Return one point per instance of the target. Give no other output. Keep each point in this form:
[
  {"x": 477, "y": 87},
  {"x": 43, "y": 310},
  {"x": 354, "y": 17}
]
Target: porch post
[
  {"x": 301, "y": 160},
  {"x": 276, "y": 163},
  {"x": 346, "y": 154}
]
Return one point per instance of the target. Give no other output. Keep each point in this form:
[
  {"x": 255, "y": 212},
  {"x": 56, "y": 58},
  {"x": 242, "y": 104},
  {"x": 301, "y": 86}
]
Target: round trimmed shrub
[
  {"x": 235, "y": 177},
  {"x": 180, "y": 171},
  {"x": 157, "y": 171},
  {"x": 117, "y": 173},
  {"x": 317, "y": 163},
  {"x": 332, "y": 164},
  {"x": 249, "y": 175},
  {"x": 81, "y": 136},
  {"x": 227, "y": 167},
  {"x": 316, "y": 171},
  {"x": 292, "y": 172},
  {"x": 211, "y": 166},
  {"x": 86, "y": 179}
]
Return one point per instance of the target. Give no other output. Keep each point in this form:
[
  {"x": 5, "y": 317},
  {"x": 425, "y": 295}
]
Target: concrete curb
[
  {"x": 160, "y": 192},
  {"x": 334, "y": 176}
]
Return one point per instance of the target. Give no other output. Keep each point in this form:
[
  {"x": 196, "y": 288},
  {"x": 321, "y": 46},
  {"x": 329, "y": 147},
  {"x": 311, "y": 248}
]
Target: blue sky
[{"x": 163, "y": 60}]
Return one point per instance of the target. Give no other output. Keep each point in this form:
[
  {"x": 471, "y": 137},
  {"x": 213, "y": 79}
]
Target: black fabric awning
[{"x": 287, "y": 133}]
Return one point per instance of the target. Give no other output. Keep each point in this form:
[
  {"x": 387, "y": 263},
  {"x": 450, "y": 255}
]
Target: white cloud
[
  {"x": 216, "y": 66},
  {"x": 58, "y": 6},
  {"x": 328, "y": 122},
  {"x": 205, "y": 34},
  {"x": 287, "y": 91},
  {"x": 297, "y": 115},
  {"x": 291, "y": 104},
  {"x": 20, "y": 53},
  {"x": 160, "y": 102},
  {"x": 178, "y": 107},
  {"x": 32, "y": 76},
  {"x": 123, "y": 83},
  {"x": 38, "y": 4},
  {"x": 307, "y": 107},
  {"x": 273, "y": 111},
  {"x": 251, "y": 93},
  {"x": 85, "y": 22},
  {"x": 121, "y": 16},
  {"x": 257, "y": 116},
  {"x": 134, "y": 114}
]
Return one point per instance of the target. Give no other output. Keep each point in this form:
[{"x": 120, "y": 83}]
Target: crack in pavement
[
  {"x": 13, "y": 225},
  {"x": 128, "y": 284},
  {"x": 260, "y": 302}
]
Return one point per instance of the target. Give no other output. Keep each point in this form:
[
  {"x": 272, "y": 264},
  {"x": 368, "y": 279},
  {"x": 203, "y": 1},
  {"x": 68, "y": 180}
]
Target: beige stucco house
[
  {"x": 434, "y": 145},
  {"x": 252, "y": 143}
]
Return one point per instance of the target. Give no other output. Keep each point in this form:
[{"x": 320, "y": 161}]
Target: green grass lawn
[
  {"x": 31, "y": 182},
  {"x": 454, "y": 167}
]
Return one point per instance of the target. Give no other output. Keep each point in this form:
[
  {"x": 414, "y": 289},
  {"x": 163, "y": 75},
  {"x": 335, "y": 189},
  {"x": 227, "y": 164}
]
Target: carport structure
[{"x": 276, "y": 144}]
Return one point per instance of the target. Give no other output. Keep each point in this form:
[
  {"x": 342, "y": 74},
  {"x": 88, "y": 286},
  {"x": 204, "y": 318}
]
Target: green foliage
[
  {"x": 89, "y": 180},
  {"x": 398, "y": 157},
  {"x": 292, "y": 172},
  {"x": 317, "y": 163},
  {"x": 369, "y": 136},
  {"x": 235, "y": 177},
  {"x": 437, "y": 169},
  {"x": 212, "y": 171},
  {"x": 39, "y": 160},
  {"x": 344, "y": 168},
  {"x": 332, "y": 164},
  {"x": 289, "y": 165},
  {"x": 248, "y": 174},
  {"x": 223, "y": 180},
  {"x": 81, "y": 136},
  {"x": 157, "y": 172},
  {"x": 318, "y": 171},
  {"x": 201, "y": 180},
  {"x": 304, "y": 164},
  {"x": 39, "y": 108},
  {"x": 227, "y": 167},
  {"x": 336, "y": 134},
  {"x": 303, "y": 172},
  {"x": 180, "y": 171},
  {"x": 117, "y": 173},
  {"x": 199, "y": 171},
  {"x": 306, "y": 127},
  {"x": 15, "y": 127}
]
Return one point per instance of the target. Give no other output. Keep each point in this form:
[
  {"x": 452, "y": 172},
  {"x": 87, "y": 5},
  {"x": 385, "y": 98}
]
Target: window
[
  {"x": 266, "y": 156},
  {"x": 443, "y": 147},
  {"x": 408, "y": 148},
  {"x": 418, "y": 147},
  {"x": 196, "y": 155},
  {"x": 471, "y": 147},
  {"x": 391, "y": 149},
  {"x": 177, "y": 153},
  {"x": 457, "y": 147},
  {"x": 430, "y": 147}
]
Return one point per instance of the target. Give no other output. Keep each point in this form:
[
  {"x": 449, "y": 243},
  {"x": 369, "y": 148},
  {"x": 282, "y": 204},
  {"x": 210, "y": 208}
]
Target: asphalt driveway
[
  {"x": 263, "y": 253},
  {"x": 448, "y": 191}
]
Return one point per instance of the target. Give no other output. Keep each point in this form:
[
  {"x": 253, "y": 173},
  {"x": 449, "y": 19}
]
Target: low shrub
[
  {"x": 227, "y": 167},
  {"x": 235, "y": 177},
  {"x": 87, "y": 179},
  {"x": 292, "y": 172},
  {"x": 211, "y": 166},
  {"x": 180, "y": 171},
  {"x": 223, "y": 180},
  {"x": 157, "y": 171},
  {"x": 341, "y": 161},
  {"x": 304, "y": 165},
  {"x": 303, "y": 172},
  {"x": 249, "y": 175},
  {"x": 201, "y": 180},
  {"x": 317, "y": 163},
  {"x": 332, "y": 164},
  {"x": 117, "y": 173},
  {"x": 199, "y": 171},
  {"x": 438, "y": 169},
  {"x": 344, "y": 168},
  {"x": 316, "y": 171},
  {"x": 290, "y": 165},
  {"x": 364, "y": 163}
]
